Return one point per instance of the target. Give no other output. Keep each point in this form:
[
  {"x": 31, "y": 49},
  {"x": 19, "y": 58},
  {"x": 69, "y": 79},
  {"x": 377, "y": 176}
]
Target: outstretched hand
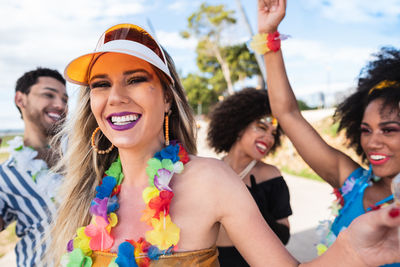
[
  {"x": 270, "y": 14},
  {"x": 374, "y": 236}
]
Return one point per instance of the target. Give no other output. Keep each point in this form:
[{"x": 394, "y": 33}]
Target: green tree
[
  {"x": 242, "y": 64},
  {"x": 206, "y": 24},
  {"x": 198, "y": 92},
  {"x": 303, "y": 105}
]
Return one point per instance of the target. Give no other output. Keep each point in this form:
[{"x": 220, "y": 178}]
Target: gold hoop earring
[
  {"x": 166, "y": 129},
  {"x": 95, "y": 148}
]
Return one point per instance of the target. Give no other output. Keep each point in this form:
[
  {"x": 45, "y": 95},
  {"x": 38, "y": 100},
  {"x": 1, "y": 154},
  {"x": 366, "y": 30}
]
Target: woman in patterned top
[{"x": 370, "y": 118}]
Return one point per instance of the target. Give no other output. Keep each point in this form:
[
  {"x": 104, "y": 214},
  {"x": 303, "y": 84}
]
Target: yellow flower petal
[
  {"x": 165, "y": 233},
  {"x": 82, "y": 241},
  {"x": 149, "y": 193},
  {"x": 321, "y": 248},
  {"x": 113, "y": 219},
  {"x": 259, "y": 43}
]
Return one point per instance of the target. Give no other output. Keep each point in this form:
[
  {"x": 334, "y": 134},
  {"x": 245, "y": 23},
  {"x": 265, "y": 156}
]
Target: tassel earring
[
  {"x": 95, "y": 148},
  {"x": 166, "y": 128}
]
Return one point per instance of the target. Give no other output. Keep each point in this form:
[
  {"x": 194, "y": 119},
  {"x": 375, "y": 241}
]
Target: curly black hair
[
  {"x": 349, "y": 114},
  {"x": 229, "y": 118}
]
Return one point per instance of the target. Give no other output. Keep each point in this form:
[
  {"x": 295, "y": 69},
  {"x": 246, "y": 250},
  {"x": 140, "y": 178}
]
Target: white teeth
[
  {"x": 123, "y": 120},
  {"x": 261, "y": 146},
  {"x": 377, "y": 157},
  {"x": 55, "y": 116}
]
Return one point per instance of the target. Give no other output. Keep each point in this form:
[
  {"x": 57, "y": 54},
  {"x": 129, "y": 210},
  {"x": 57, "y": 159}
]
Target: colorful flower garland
[
  {"x": 157, "y": 196},
  {"x": 326, "y": 235}
]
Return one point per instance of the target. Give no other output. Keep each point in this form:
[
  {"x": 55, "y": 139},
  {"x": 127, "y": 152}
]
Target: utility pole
[{"x": 259, "y": 58}]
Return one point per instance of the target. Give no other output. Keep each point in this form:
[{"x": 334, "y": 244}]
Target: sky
[{"x": 331, "y": 40}]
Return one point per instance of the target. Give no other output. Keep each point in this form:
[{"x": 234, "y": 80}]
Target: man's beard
[
  {"x": 48, "y": 130},
  {"x": 56, "y": 127}
]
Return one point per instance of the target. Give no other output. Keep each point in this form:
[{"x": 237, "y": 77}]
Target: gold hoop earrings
[
  {"x": 95, "y": 148},
  {"x": 166, "y": 129}
]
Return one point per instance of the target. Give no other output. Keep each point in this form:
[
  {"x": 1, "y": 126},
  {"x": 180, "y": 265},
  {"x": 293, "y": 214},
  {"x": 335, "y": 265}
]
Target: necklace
[
  {"x": 164, "y": 236},
  {"x": 248, "y": 168},
  {"x": 359, "y": 181},
  {"x": 24, "y": 159}
]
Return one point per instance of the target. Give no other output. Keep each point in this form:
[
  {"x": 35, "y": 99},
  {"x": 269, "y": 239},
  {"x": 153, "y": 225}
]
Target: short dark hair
[
  {"x": 25, "y": 82},
  {"x": 230, "y": 117},
  {"x": 349, "y": 114}
]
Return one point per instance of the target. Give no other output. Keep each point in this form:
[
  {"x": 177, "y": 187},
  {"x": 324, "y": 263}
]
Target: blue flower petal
[
  {"x": 106, "y": 188},
  {"x": 170, "y": 152},
  {"x": 153, "y": 253},
  {"x": 112, "y": 204},
  {"x": 126, "y": 256}
]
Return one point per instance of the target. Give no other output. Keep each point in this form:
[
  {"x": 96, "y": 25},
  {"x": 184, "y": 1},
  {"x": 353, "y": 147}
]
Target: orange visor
[{"x": 122, "y": 38}]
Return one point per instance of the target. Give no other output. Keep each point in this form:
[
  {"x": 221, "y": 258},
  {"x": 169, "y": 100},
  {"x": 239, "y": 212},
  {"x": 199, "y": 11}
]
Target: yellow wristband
[{"x": 263, "y": 43}]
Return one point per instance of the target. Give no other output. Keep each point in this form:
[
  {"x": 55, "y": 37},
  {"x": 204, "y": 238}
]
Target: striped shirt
[{"x": 26, "y": 201}]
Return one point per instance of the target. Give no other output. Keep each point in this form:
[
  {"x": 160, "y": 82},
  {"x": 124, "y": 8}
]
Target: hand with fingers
[
  {"x": 270, "y": 15},
  {"x": 373, "y": 236}
]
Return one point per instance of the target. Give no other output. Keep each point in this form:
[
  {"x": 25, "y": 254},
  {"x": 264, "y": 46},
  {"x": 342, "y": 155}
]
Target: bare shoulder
[
  {"x": 209, "y": 183},
  {"x": 264, "y": 172},
  {"x": 210, "y": 175},
  {"x": 209, "y": 170}
]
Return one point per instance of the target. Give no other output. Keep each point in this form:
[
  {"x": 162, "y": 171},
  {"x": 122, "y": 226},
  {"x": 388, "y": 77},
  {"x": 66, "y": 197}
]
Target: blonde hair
[{"x": 83, "y": 169}]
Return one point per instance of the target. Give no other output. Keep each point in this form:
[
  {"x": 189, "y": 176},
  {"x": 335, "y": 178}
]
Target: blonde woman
[{"x": 121, "y": 207}]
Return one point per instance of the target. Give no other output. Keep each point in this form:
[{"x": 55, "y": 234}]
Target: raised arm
[{"x": 332, "y": 165}]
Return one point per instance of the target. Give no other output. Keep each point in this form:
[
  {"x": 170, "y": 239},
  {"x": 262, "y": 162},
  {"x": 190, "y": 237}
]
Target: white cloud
[
  {"x": 179, "y": 5},
  {"x": 318, "y": 66},
  {"x": 173, "y": 40},
  {"x": 355, "y": 10},
  {"x": 320, "y": 51},
  {"x": 50, "y": 33}
]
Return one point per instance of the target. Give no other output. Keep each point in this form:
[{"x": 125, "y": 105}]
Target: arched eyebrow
[
  {"x": 128, "y": 72},
  {"x": 389, "y": 122},
  {"x": 383, "y": 124},
  {"x": 98, "y": 76}
]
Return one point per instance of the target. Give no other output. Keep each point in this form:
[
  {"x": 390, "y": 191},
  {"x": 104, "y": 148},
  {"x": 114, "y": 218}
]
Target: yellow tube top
[{"x": 198, "y": 258}]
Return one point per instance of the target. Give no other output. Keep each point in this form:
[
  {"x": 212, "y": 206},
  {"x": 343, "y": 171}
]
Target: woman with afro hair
[
  {"x": 242, "y": 127},
  {"x": 370, "y": 118}
]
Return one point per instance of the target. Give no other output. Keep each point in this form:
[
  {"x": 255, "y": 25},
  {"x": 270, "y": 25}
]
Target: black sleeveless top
[{"x": 273, "y": 200}]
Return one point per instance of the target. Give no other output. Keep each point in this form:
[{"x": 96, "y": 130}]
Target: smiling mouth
[
  {"x": 54, "y": 116},
  {"x": 123, "y": 121},
  {"x": 378, "y": 159},
  {"x": 261, "y": 148}
]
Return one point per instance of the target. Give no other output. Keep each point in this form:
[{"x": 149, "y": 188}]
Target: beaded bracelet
[{"x": 266, "y": 42}]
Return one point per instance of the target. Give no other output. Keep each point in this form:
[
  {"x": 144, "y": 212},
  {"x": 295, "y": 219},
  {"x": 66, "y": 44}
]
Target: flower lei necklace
[
  {"x": 24, "y": 159},
  {"x": 157, "y": 196},
  {"x": 324, "y": 228}
]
